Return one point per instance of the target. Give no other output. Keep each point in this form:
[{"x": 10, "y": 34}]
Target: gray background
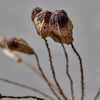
[{"x": 15, "y": 20}]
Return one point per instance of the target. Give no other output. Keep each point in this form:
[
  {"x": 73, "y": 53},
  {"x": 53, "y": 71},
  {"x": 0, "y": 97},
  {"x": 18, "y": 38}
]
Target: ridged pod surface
[
  {"x": 41, "y": 22},
  {"x": 61, "y": 26}
]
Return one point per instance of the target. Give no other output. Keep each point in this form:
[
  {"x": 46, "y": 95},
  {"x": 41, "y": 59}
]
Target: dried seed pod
[
  {"x": 41, "y": 22},
  {"x": 61, "y": 27},
  {"x": 3, "y": 42},
  {"x": 10, "y": 53},
  {"x": 20, "y": 45}
]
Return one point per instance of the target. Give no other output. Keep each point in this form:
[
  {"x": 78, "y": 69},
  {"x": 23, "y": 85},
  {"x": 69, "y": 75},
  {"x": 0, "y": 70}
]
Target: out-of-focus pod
[{"x": 20, "y": 45}]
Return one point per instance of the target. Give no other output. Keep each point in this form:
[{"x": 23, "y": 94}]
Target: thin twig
[
  {"x": 21, "y": 97},
  {"x": 45, "y": 78},
  {"x": 38, "y": 73},
  {"x": 32, "y": 67},
  {"x": 53, "y": 71},
  {"x": 25, "y": 86},
  {"x": 97, "y": 95},
  {"x": 81, "y": 70},
  {"x": 67, "y": 72}
]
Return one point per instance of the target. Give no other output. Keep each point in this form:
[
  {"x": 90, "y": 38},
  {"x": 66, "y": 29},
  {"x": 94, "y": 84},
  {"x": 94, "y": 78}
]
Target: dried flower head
[
  {"x": 18, "y": 44},
  {"x": 55, "y": 24},
  {"x": 61, "y": 26},
  {"x": 3, "y": 41},
  {"x": 41, "y": 22}
]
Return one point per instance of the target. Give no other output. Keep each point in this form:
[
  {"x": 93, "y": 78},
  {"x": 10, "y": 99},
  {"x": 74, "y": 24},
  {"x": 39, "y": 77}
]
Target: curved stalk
[
  {"x": 67, "y": 72},
  {"x": 53, "y": 71},
  {"x": 81, "y": 70}
]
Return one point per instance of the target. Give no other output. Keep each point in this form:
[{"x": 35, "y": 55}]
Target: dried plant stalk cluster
[
  {"x": 58, "y": 26},
  {"x": 55, "y": 24}
]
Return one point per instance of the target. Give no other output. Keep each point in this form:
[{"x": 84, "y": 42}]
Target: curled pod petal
[
  {"x": 20, "y": 45},
  {"x": 41, "y": 22},
  {"x": 61, "y": 26},
  {"x": 35, "y": 12}
]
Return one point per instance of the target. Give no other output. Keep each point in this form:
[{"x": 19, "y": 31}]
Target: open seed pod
[
  {"x": 40, "y": 19},
  {"x": 35, "y": 12},
  {"x": 18, "y": 44},
  {"x": 61, "y": 27}
]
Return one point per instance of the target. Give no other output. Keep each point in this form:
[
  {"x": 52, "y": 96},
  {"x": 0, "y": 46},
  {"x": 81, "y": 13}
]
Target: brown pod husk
[
  {"x": 41, "y": 22},
  {"x": 19, "y": 45},
  {"x": 61, "y": 27}
]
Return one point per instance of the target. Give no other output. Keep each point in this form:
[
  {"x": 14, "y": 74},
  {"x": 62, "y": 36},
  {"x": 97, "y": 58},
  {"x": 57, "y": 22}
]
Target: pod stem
[
  {"x": 25, "y": 86},
  {"x": 45, "y": 78},
  {"x": 53, "y": 71},
  {"x": 81, "y": 70},
  {"x": 21, "y": 97},
  {"x": 97, "y": 95},
  {"x": 37, "y": 71},
  {"x": 67, "y": 72}
]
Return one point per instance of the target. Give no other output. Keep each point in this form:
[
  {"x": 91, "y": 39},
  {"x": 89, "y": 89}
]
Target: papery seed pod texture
[
  {"x": 61, "y": 26},
  {"x": 55, "y": 24},
  {"x": 41, "y": 22}
]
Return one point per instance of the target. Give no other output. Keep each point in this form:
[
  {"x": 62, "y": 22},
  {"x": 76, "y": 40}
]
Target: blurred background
[{"x": 15, "y": 20}]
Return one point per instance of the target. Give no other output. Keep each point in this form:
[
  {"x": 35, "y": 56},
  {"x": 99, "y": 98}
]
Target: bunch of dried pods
[{"x": 56, "y": 25}]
